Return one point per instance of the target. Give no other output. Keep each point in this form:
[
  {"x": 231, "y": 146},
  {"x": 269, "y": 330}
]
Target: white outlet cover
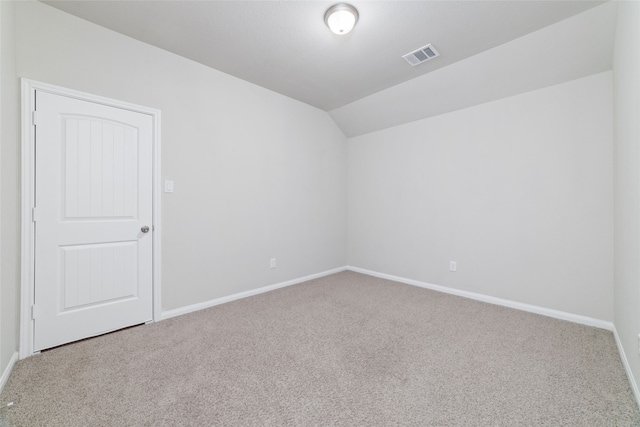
[{"x": 168, "y": 186}]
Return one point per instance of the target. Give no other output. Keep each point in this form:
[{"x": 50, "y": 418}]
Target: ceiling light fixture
[{"x": 341, "y": 18}]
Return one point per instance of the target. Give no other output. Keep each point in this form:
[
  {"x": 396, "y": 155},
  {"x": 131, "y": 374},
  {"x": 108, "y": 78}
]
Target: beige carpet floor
[{"x": 346, "y": 349}]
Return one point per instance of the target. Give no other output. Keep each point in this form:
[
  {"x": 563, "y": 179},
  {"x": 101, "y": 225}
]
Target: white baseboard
[
  {"x": 206, "y": 304},
  {"x": 5, "y": 375},
  {"x": 627, "y": 367},
  {"x": 576, "y": 318}
]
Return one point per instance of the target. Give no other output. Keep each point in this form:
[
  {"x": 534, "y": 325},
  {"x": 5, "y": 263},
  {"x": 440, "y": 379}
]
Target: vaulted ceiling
[{"x": 286, "y": 47}]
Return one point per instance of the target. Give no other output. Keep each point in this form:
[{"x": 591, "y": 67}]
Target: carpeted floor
[{"x": 346, "y": 349}]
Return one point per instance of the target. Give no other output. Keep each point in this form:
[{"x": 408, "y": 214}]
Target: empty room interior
[{"x": 320, "y": 213}]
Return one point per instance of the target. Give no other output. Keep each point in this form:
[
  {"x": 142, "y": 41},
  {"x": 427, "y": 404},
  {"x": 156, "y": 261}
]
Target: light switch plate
[{"x": 168, "y": 186}]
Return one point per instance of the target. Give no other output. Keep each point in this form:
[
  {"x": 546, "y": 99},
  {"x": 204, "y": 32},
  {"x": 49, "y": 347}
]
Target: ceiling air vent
[{"x": 421, "y": 55}]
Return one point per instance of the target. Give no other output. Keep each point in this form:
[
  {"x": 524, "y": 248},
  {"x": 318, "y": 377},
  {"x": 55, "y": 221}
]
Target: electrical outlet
[
  {"x": 453, "y": 266},
  {"x": 272, "y": 263}
]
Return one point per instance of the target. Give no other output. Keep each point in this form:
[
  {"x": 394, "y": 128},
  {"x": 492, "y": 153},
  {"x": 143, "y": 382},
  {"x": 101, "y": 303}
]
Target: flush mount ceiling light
[{"x": 341, "y": 18}]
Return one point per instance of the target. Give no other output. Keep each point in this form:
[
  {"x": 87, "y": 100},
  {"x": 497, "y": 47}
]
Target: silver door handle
[{"x": 145, "y": 229}]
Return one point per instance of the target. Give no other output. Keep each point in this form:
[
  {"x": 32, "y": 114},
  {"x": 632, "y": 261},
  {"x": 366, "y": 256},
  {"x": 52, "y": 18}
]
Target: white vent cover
[{"x": 421, "y": 55}]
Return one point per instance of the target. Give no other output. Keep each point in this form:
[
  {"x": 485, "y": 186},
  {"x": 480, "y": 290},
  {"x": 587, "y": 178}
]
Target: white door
[{"x": 93, "y": 193}]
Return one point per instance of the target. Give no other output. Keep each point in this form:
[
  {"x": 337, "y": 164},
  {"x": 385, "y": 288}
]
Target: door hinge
[
  {"x": 33, "y": 214},
  {"x": 34, "y": 118},
  {"x": 33, "y": 312}
]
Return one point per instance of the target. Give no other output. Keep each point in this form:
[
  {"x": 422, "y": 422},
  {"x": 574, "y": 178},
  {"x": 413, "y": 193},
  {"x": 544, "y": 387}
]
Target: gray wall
[
  {"x": 9, "y": 169},
  {"x": 517, "y": 191},
  {"x": 626, "y": 84},
  {"x": 257, "y": 175}
]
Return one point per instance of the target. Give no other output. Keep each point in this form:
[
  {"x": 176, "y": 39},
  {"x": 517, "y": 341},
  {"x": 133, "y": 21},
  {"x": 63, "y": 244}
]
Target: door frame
[{"x": 27, "y": 238}]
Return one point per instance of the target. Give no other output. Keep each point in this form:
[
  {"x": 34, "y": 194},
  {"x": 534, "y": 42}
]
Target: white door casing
[{"x": 94, "y": 189}]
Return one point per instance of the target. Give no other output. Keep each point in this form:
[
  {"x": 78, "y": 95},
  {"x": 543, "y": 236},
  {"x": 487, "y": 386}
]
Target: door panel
[
  {"x": 110, "y": 158},
  {"x": 98, "y": 273},
  {"x": 93, "y": 271}
]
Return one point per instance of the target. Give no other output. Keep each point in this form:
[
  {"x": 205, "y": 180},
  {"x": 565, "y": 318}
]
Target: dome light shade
[{"x": 341, "y": 18}]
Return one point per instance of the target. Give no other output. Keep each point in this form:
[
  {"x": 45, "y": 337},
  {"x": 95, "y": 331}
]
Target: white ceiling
[
  {"x": 577, "y": 47},
  {"x": 284, "y": 45}
]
